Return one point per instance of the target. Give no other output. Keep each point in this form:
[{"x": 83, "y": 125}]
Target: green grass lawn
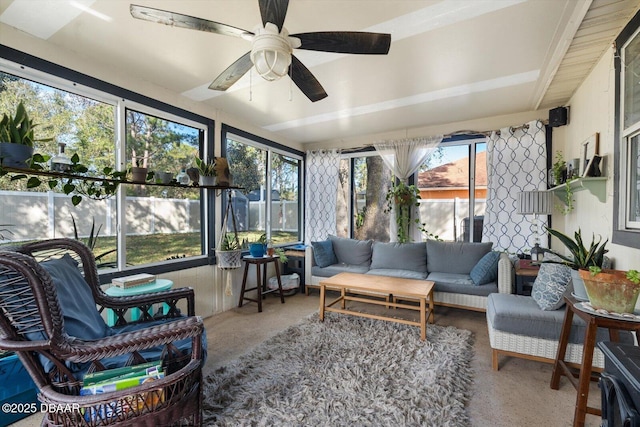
[{"x": 154, "y": 248}]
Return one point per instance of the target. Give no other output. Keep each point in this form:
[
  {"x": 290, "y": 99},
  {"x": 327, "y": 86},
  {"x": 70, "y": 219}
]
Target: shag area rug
[{"x": 346, "y": 371}]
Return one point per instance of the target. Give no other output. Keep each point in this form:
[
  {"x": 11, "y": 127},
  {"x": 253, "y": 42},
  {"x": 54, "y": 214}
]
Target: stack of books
[
  {"x": 111, "y": 380},
  {"x": 126, "y": 282}
]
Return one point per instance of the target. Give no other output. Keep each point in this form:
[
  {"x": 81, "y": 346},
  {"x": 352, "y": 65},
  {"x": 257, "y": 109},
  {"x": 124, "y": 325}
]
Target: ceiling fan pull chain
[
  {"x": 290, "y": 90},
  {"x": 250, "y": 85}
]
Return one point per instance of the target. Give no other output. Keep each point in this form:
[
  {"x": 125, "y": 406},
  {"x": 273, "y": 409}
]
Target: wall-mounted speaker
[{"x": 558, "y": 116}]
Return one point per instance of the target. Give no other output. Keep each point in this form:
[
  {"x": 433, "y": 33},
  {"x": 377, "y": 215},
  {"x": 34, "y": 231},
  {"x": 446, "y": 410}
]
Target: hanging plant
[{"x": 404, "y": 197}]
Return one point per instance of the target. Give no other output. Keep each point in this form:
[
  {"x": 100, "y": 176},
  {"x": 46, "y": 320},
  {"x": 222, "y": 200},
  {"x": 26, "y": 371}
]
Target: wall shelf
[
  {"x": 64, "y": 175},
  {"x": 596, "y": 186}
]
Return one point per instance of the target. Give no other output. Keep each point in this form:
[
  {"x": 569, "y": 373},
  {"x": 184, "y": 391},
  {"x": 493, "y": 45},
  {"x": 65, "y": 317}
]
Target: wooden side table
[
  {"x": 295, "y": 264},
  {"x": 261, "y": 263},
  {"x": 525, "y": 278},
  {"x": 560, "y": 367}
]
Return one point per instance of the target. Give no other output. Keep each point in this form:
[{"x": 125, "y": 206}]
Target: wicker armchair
[{"x": 36, "y": 322}]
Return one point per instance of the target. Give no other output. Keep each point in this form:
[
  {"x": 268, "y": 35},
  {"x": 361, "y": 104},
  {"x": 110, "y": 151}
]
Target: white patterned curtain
[
  {"x": 321, "y": 194},
  {"x": 516, "y": 162},
  {"x": 404, "y": 157}
]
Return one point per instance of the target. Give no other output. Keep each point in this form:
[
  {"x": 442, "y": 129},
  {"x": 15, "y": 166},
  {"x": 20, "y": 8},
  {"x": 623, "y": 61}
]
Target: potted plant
[
  {"x": 612, "y": 290},
  {"x": 404, "y": 197},
  {"x": 17, "y": 138},
  {"x": 206, "y": 171},
  {"x": 581, "y": 257},
  {"x": 258, "y": 248},
  {"x": 229, "y": 252},
  {"x": 558, "y": 170},
  {"x": 138, "y": 168}
]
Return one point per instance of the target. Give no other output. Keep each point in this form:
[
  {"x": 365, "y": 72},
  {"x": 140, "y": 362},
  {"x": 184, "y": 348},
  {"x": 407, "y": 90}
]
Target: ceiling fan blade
[
  {"x": 307, "y": 83},
  {"x": 346, "y": 42},
  {"x": 273, "y": 11},
  {"x": 233, "y": 73},
  {"x": 185, "y": 21}
]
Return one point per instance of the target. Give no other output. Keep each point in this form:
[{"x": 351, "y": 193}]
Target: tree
[{"x": 375, "y": 222}]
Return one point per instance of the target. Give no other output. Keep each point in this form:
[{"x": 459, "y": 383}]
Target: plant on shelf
[
  {"x": 139, "y": 168},
  {"x": 568, "y": 206},
  {"x": 559, "y": 170},
  {"x": 581, "y": 257},
  {"x": 404, "y": 198},
  {"x": 206, "y": 171},
  {"x": 612, "y": 290},
  {"x": 17, "y": 138},
  {"x": 73, "y": 182}
]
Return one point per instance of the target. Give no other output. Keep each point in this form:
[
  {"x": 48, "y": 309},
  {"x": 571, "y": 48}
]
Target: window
[
  {"x": 270, "y": 175},
  {"x": 627, "y": 150},
  {"x": 162, "y": 222},
  {"x": 453, "y": 179},
  {"x": 160, "y": 228},
  {"x": 362, "y": 188}
]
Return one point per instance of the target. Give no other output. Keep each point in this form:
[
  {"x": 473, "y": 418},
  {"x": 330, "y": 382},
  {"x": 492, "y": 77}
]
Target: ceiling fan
[{"x": 272, "y": 46}]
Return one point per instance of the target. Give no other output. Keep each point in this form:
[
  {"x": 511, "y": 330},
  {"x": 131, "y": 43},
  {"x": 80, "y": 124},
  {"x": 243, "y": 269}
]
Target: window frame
[
  {"x": 270, "y": 147},
  {"x": 36, "y": 69},
  {"x": 622, "y": 234}
]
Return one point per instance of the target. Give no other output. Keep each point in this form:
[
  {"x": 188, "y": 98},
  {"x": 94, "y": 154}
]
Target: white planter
[
  {"x": 579, "y": 291},
  {"x": 207, "y": 180},
  {"x": 227, "y": 260}
]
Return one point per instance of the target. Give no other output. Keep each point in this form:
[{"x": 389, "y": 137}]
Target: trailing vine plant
[
  {"x": 105, "y": 186},
  {"x": 403, "y": 197}
]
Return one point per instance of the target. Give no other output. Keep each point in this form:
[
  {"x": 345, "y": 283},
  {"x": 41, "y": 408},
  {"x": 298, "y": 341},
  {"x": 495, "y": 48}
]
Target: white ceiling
[{"x": 450, "y": 60}]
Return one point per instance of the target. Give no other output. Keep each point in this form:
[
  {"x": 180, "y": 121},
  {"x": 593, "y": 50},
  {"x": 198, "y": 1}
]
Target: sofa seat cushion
[
  {"x": 454, "y": 257},
  {"x": 334, "y": 269},
  {"x": 352, "y": 251},
  {"x": 399, "y": 256},
  {"x": 396, "y": 272},
  {"x": 460, "y": 284},
  {"x": 520, "y": 315}
]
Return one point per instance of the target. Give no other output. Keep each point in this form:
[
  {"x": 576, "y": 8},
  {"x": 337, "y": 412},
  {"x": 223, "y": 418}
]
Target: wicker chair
[{"x": 34, "y": 323}]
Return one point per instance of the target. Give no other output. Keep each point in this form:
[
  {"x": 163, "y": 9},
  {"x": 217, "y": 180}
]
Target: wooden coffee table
[{"x": 368, "y": 287}]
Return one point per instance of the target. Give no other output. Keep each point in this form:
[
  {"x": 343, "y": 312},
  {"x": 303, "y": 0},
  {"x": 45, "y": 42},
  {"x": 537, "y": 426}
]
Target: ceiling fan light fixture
[{"x": 271, "y": 53}]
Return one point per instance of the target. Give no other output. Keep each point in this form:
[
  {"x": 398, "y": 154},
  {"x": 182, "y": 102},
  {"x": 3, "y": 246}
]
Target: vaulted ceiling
[{"x": 449, "y": 61}]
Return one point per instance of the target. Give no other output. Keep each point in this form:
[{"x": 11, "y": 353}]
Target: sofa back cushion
[
  {"x": 399, "y": 256},
  {"x": 455, "y": 257},
  {"x": 352, "y": 251}
]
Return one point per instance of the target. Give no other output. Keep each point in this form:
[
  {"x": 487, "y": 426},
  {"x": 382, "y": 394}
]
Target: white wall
[{"x": 592, "y": 110}]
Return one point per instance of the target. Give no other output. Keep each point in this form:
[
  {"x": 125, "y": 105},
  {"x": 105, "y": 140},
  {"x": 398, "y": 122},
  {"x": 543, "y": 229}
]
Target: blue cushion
[
  {"x": 454, "y": 257},
  {"x": 400, "y": 256},
  {"x": 81, "y": 317},
  {"x": 486, "y": 270},
  {"x": 352, "y": 251},
  {"x": 323, "y": 253},
  {"x": 551, "y": 285}
]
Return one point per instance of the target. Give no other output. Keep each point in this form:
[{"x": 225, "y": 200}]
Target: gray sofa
[{"x": 448, "y": 264}]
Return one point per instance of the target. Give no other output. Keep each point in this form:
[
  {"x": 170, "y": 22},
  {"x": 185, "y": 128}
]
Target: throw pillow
[
  {"x": 323, "y": 253},
  {"x": 486, "y": 270},
  {"x": 551, "y": 285}
]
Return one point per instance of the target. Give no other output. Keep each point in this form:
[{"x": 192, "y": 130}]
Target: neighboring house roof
[{"x": 454, "y": 174}]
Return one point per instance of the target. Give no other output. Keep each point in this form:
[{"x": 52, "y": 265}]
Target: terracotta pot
[
  {"x": 138, "y": 174},
  {"x": 611, "y": 290}
]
